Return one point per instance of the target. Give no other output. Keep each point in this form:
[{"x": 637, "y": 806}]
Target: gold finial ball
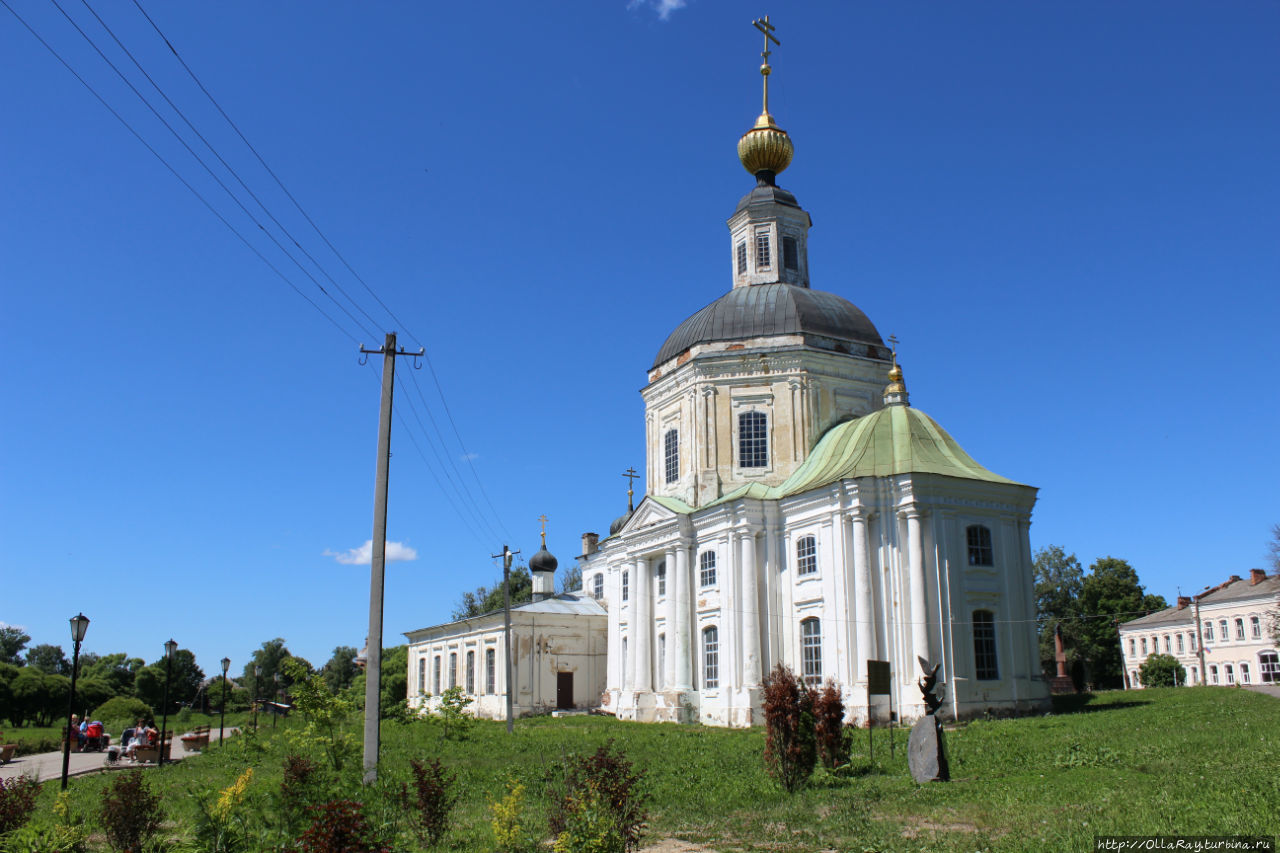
[
  {"x": 765, "y": 147},
  {"x": 765, "y": 69},
  {"x": 895, "y": 374}
]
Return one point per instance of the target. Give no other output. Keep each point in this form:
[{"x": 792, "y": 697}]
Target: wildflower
[{"x": 232, "y": 796}]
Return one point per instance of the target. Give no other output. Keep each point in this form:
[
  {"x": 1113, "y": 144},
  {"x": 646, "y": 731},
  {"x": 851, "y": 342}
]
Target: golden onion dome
[{"x": 765, "y": 147}]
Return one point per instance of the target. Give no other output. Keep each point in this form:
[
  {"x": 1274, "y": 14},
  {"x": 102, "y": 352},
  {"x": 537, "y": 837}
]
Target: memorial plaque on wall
[{"x": 877, "y": 678}]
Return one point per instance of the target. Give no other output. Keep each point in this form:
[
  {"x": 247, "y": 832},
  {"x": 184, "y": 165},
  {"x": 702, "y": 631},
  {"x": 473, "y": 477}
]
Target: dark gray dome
[
  {"x": 543, "y": 561},
  {"x": 620, "y": 522},
  {"x": 773, "y": 309}
]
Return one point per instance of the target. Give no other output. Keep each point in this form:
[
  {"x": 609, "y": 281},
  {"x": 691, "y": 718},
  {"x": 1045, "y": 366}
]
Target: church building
[{"x": 800, "y": 511}]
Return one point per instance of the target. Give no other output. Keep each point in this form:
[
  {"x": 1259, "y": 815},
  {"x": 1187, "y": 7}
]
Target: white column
[
  {"x": 679, "y": 643},
  {"x": 632, "y": 621},
  {"x": 643, "y": 631},
  {"x": 672, "y": 615},
  {"x": 919, "y": 607},
  {"x": 750, "y": 611},
  {"x": 863, "y": 629}
]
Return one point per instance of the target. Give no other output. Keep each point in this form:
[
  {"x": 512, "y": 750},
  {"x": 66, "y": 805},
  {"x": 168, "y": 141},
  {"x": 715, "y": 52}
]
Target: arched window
[
  {"x": 710, "y": 657},
  {"x": 490, "y": 671},
  {"x": 806, "y": 555},
  {"x": 753, "y": 440},
  {"x": 671, "y": 455},
  {"x": 707, "y": 569},
  {"x": 1239, "y": 629},
  {"x": 1269, "y": 667},
  {"x": 626, "y": 585},
  {"x": 435, "y": 677},
  {"x": 471, "y": 672},
  {"x": 984, "y": 646},
  {"x": 979, "y": 539},
  {"x": 453, "y": 670},
  {"x": 811, "y": 651},
  {"x": 597, "y": 587},
  {"x": 422, "y": 676},
  {"x": 661, "y": 573},
  {"x": 1255, "y": 627}
]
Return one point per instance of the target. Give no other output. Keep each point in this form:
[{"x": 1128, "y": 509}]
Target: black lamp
[{"x": 79, "y": 627}]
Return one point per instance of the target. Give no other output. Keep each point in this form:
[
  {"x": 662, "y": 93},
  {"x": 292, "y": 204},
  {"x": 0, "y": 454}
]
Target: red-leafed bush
[
  {"x": 339, "y": 826},
  {"x": 17, "y": 801},
  {"x": 833, "y": 740},
  {"x": 791, "y": 749},
  {"x": 429, "y": 799}
]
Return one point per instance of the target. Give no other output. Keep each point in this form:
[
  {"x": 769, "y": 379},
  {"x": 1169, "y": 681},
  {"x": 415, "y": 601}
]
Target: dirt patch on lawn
[
  {"x": 930, "y": 826},
  {"x": 675, "y": 845}
]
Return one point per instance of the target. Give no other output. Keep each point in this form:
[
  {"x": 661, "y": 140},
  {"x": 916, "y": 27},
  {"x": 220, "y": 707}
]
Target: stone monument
[
  {"x": 926, "y": 750},
  {"x": 1061, "y": 682}
]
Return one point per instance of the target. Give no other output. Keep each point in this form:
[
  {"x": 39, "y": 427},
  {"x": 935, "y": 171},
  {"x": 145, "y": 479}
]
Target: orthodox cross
[
  {"x": 631, "y": 475},
  {"x": 893, "y": 339},
  {"x": 542, "y": 519},
  {"x": 763, "y": 25}
]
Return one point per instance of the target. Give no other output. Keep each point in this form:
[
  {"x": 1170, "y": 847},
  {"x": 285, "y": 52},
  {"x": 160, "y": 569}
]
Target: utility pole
[
  {"x": 507, "y": 668},
  {"x": 1198, "y": 636},
  {"x": 377, "y": 565}
]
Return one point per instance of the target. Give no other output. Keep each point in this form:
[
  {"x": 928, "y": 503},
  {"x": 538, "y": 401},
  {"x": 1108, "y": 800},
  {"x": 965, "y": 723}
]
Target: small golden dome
[
  {"x": 896, "y": 390},
  {"x": 765, "y": 147}
]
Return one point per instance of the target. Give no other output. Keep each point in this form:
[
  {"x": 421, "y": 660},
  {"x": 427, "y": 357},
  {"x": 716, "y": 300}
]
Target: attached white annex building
[
  {"x": 1235, "y": 643},
  {"x": 558, "y": 658},
  {"x": 801, "y": 512}
]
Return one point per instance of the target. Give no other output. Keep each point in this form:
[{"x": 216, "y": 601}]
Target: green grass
[{"x": 1200, "y": 760}]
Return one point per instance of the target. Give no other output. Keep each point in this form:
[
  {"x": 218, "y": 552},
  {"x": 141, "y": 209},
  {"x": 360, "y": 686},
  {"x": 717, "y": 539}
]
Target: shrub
[
  {"x": 324, "y": 713},
  {"x": 829, "y": 729},
  {"x": 617, "y": 789},
  {"x": 339, "y": 826},
  {"x": 219, "y": 826},
  {"x": 430, "y": 800},
  {"x": 130, "y": 812},
  {"x": 790, "y": 750},
  {"x": 590, "y": 826},
  {"x": 510, "y": 831},
  {"x": 17, "y": 801},
  {"x": 298, "y": 783},
  {"x": 1162, "y": 671},
  {"x": 65, "y": 835},
  {"x": 122, "y": 709},
  {"x": 453, "y": 712}
]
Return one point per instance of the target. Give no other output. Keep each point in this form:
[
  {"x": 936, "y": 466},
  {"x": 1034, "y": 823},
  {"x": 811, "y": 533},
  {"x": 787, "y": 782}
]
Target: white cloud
[
  {"x": 664, "y": 8},
  {"x": 467, "y": 457},
  {"x": 363, "y": 556}
]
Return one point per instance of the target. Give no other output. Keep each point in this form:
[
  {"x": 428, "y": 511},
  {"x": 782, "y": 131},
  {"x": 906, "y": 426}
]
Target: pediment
[{"x": 649, "y": 514}]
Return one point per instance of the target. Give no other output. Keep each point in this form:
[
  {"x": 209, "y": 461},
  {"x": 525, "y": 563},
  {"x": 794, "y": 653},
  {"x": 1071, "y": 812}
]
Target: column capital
[
  {"x": 912, "y": 510},
  {"x": 861, "y": 513}
]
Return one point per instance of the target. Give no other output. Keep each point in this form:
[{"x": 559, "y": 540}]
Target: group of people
[
  {"x": 89, "y": 735},
  {"x": 143, "y": 734}
]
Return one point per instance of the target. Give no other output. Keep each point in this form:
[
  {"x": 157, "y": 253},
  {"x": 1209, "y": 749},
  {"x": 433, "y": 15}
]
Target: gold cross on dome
[
  {"x": 893, "y": 339},
  {"x": 763, "y": 25},
  {"x": 631, "y": 475},
  {"x": 542, "y": 519}
]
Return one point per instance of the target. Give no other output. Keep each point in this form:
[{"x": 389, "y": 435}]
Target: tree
[
  {"x": 1059, "y": 580},
  {"x": 12, "y": 641},
  {"x": 39, "y": 697},
  {"x": 1162, "y": 671},
  {"x": 571, "y": 578},
  {"x": 185, "y": 679},
  {"x": 49, "y": 659},
  {"x": 341, "y": 669},
  {"x": 271, "y": 657},
  {"x": 1110, "y": 593},
  {"x": 489, "y": 599},
  {"x": 119, "y": 670}
]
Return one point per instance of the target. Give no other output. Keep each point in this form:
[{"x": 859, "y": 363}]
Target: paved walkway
[
  {"x": 48, "y": 765},
  {"x": 1273, "y": 690}
]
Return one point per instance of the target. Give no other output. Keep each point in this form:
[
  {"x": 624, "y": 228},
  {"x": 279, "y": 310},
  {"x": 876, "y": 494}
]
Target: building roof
[
  {"x": 763, "y": 310},
  {"x": 572, "y": 603},
  {"x": 1168, "y": 616},
  {"x": 1240, "y": 589}
]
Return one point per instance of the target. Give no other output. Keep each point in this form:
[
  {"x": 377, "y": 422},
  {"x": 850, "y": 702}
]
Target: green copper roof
[{"x": 893, "y": 440}]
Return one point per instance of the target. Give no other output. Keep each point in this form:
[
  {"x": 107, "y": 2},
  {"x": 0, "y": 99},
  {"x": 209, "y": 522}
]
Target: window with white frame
[
  {"x": 1168, "y": 645},
  {"x": 661, "y": 574},
  {"x": 1230, "y": 672},
  {"x": 742, "y": 257},
  {"x": 984, "y": 646},
  {"x": 1244, "y": 673},
  {"x": 1133, "y": 647},
  {"x": 626, "y": 585},
  {"x": 1269, "y": 667},
  {"x": 597, "y": 587},
  {"x": 1255, "y": 627},
  {"x": 753, "y": 440},
  {"x": 1133, "y": 677},
  {"x": 422, "y": 676},
  {"x": 671, "y": 455},
  {"x": 710, "y": 657},
  {"x": 979, "y": 539},
  {"x": 806, "y": 555},
  {"x": 811, "y": 651},
  {"x": 471, "y": 672},
  {"x": 707, "y": 568},
  {"x": 1195, "y": 675},
  {"x": 1144, "y": 646},
  {"x": 1191, "y": 635},
  {"x": 1208, "y": 631},
  {"x": 1213, "y": 675},
  {"x": 435, "y": 680},
  {"x": 1239, "y": 629},
  {"x": 764, "y": 259},
  {"x": 490, "y": 671},
  {"x": 1181, "y": 647},
  {"x": 453, "y": 670},
  {"x": 1222, "y": 629}
]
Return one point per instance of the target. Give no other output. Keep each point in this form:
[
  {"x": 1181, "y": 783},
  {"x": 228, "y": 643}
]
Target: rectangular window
[
  {"x": 763, "y": 258},
  {"x": 1213, "y": 675},
  {"x": 435, "y": 681},
  {"x": 1191, "y": 635},
  {"x": 626, "y": 585},
  {"x": 710, "y": 658},
  {"x": 471, "y": 672},
  {"x": 811, "y": 651},
  {"x": 742, "y": 257},
  {"x": 671, "y": 455},
  {"x": 1222, "y": 629},
  {"x": 661, "y": 572},
  {"x": 1244, "y": 673},
  {"x": 1208, "y": 632},
  {"x": 1231, "y": 674},
  {"x": 1255, "y": 627},
  {"x": 979, "y": 539},
  {"x": 422, "y": 676},
  {"x": 807, "y": 556},
  {"x": 1180, "y": 647},
  {"x": 707, "y": 569},
  {"x": 1133, "y": 648},
  {"x": 453, "y": 670},
  {"x": 490, "y": 671},
  {"x": 1168, "y": 646},
  {"x": 597, "y": 587},
  {"x": 790, "y": 257},
  {"x": 1144, "y": 646},
  {"x": 984, "y": 646},
  {"x": 1239, "y": 629},
  {"x": 753, "y": 440}
]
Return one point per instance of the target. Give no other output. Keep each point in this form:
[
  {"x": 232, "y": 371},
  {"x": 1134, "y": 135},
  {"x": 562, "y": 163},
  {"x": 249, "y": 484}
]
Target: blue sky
[{"x": 1068, "y": 213}]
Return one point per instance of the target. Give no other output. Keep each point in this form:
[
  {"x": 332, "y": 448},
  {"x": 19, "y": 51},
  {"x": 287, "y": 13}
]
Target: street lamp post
[
  {"x": 79, "y": 625},
  {"x": 275, "y": 712},
  {"x": 222, "y": 721},
  {"x": 257, "y": 673},
  {"x": 169, "y": 648}
]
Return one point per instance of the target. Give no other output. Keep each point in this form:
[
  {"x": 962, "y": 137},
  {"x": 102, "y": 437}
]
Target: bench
[
  {"x": 7, "y": 751},
  {"x": 196, "y": 740},
  {"x": 151, "y": 754}
]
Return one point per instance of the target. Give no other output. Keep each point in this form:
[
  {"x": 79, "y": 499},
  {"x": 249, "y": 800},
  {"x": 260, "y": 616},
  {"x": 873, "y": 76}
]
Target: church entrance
[{"x": 564, "y": 690}]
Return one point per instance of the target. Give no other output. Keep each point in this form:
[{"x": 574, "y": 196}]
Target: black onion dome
[
  {"x": 543, "y": 561},
  {"x": 619, "y": 523},
  {"x": 762, "y": 310}
]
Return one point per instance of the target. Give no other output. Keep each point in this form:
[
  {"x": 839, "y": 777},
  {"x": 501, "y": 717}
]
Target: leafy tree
[
  {"x": 571, "y": 578},
  {"x": 40, "y": 698},
  {"x": 12, "y": 641},
  {"x": 185, "y": 679},
  {"x": 119, "y": 670},
  {"x": 1162, "y": 671},
  {"x": 49, "y": 659},
  {"x": 92, "y": 692},
  {"x": 8, "y": 707},
  {"x": 488, "y": 599},
  {"x": 1110, "y": 592},
  {"x": 341, "y": 669},
  {"x": 271, "y": 657},
  {"x": 1059, "y": 581},
  {"x": 394, "y": 684}
]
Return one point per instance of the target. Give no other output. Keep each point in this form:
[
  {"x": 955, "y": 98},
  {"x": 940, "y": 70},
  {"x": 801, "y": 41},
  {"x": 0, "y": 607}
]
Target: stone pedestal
[{"x": 926, "y": 754}]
